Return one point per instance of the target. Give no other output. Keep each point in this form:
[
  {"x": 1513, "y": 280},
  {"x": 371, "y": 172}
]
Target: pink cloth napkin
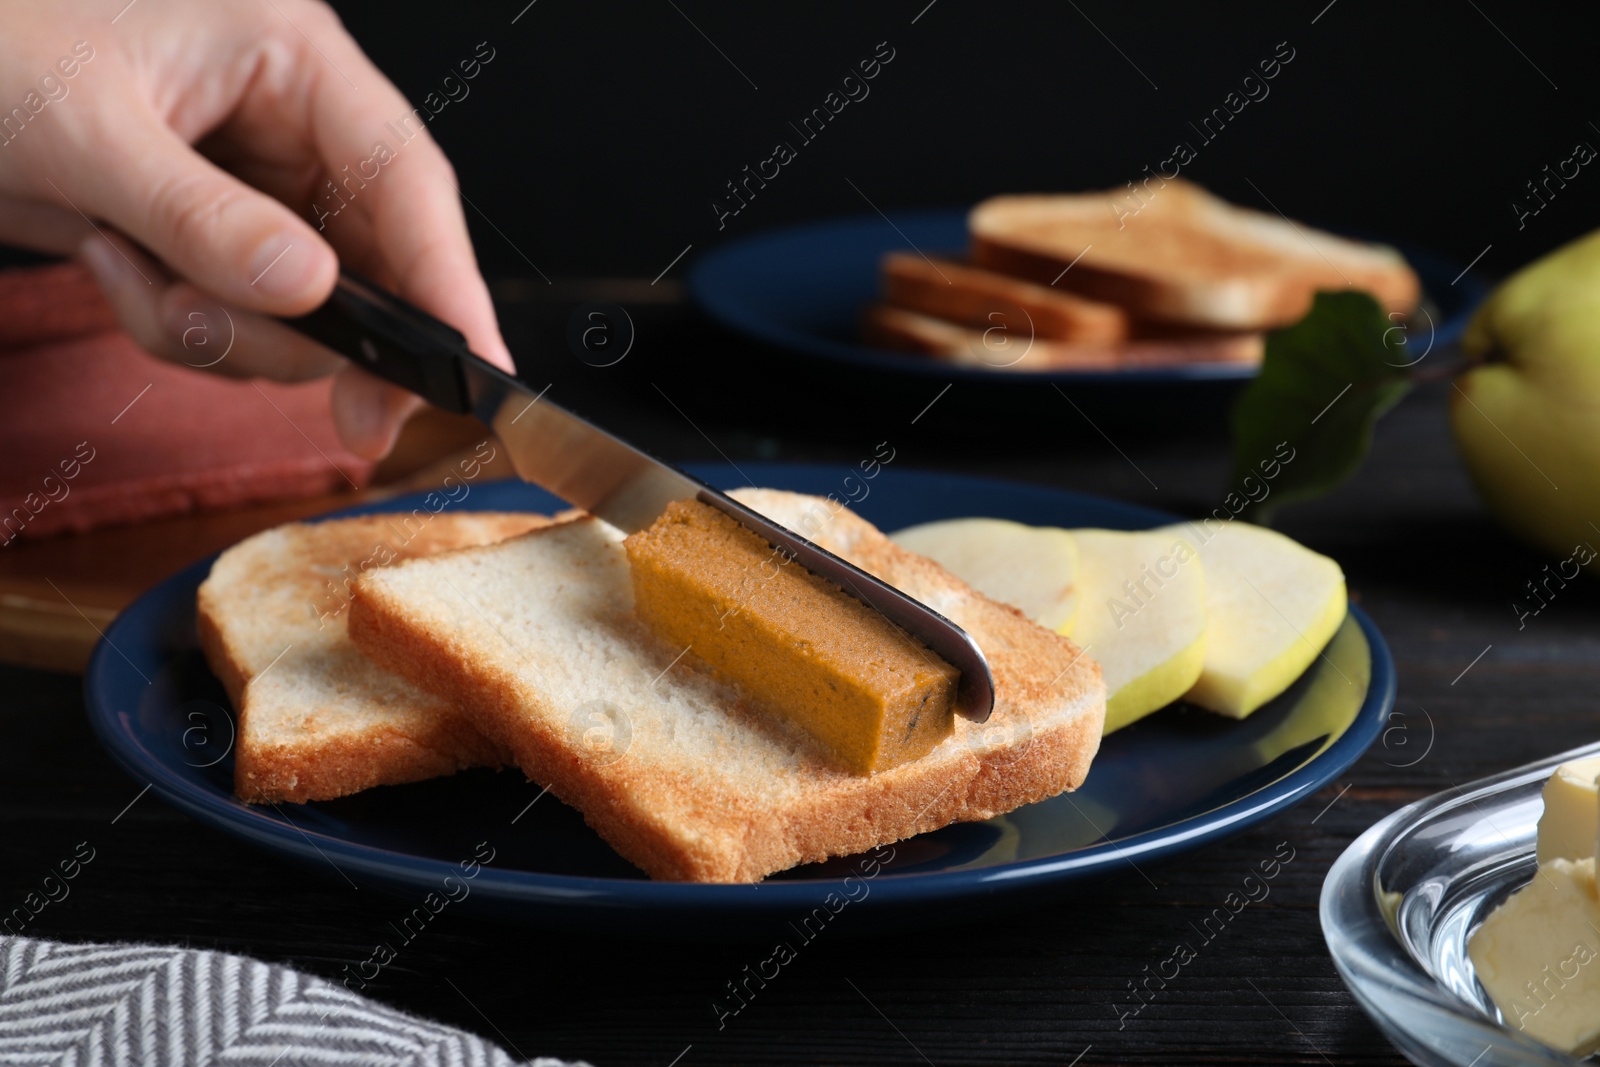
[{"x": 94, "y": 431}]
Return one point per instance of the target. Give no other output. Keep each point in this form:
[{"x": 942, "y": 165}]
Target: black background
[{"x": 600, "y": 134}]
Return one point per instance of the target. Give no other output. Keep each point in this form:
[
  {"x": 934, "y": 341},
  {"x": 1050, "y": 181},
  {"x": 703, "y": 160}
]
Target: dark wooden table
[{"x": 1048, "y": 985}]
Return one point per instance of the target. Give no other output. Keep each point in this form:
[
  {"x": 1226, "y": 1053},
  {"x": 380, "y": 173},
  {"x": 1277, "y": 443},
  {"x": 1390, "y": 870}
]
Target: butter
[
  {"x": 1571, "y": 821},
  {"x": 1538, "y": 956},
  {"x": 1536, "y": 953},
  {"x": 870, "y": 693}
]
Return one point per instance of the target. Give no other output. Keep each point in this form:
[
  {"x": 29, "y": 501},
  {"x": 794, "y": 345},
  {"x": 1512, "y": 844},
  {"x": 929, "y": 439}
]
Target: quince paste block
[{"x": 870, "y": 693}]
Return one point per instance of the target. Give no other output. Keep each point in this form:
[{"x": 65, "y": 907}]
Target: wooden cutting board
[{"x": 58, "y": 594}]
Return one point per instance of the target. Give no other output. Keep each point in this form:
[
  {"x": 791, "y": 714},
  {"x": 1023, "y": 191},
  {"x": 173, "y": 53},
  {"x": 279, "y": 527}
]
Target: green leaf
[{"x": 1305, "y": 423}]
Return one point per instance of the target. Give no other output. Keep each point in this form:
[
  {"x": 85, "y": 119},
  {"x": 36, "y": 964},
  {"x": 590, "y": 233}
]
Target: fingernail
[
  {"x": 203, "y": 328},
  {"x": 363, "y": 429},
  {"x": 106, "y": 263},
  {"x": 368, "y": 412},
  {"x": 357, "y": 413},
  {"x": 283, "y": 269},
  {"x": 389, "y": 418}
]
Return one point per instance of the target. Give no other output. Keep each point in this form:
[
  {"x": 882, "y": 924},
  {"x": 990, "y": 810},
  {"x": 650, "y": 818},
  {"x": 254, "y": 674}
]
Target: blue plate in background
[
  {"x": 804, "y": 288},
  {"x": 1172, "y": 782}
]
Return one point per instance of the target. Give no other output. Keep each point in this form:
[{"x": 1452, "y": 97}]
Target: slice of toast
[
  {"x": 316, "y": 718},
  {"x": 906, "y": 331},
  {"x": 537, "y": 639},
  {"x": 1179, "y": 254},
  {"x": 979, "y": 299}
]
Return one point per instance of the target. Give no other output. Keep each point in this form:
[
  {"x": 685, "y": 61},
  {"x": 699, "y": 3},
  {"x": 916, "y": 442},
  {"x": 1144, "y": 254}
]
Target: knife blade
[{"x": 589, "y": 467}]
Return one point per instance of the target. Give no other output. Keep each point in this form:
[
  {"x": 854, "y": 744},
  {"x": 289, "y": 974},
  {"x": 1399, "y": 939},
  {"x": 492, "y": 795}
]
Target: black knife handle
[{"x": 397, "y": 341}]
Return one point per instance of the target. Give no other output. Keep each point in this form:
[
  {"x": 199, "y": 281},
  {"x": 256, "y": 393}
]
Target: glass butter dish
[{"x": 1399, "y": 905}]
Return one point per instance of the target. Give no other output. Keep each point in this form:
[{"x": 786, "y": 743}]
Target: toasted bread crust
[
  {"x": 1184, "y": 256},
  {"x": 224, "y": 661},
  {"x": 340, "y": 766},
  {"x": 420, "y": 737},
  {"x": 978, "y": 299},
  {"x": 906, "y": 331},
  {"x": 1152, "y": 297},
  {"x": 700, "y": 824}
]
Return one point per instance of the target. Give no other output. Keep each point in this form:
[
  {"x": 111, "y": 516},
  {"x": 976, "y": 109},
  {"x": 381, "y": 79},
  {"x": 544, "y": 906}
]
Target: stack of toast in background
[{"x": 1166, "y": 276}]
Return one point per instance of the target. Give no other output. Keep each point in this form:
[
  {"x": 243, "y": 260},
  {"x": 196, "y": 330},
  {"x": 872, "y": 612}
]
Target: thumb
[{"x": 231, "y": 240}]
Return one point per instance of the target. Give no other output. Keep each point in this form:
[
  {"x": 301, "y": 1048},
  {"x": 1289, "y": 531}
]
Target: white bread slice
[
  {"x": 316, "y": 718},
  {"x": 978, "y": 299},
  {"x": 906, "y": 331},
  {"x": 1183, "y": 256},
  {"x": 536, "y": 638}
]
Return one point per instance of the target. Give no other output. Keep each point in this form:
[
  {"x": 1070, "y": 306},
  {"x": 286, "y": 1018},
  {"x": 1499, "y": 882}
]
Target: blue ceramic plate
[
  {"x": 803, "y": 289},
  {"x": 1175, "y": 781}
]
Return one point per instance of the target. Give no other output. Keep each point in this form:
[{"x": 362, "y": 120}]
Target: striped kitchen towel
[{"x": 93, "y": 1004}]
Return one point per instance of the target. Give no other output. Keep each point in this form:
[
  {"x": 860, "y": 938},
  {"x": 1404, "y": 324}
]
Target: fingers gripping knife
[{"x": 588, "y": 467}]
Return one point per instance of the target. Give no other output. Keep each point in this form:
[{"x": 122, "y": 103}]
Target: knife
[{"x": 588, "y": 467}]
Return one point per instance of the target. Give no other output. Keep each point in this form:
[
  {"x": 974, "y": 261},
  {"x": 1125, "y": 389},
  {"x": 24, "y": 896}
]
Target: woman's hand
[{"x": 179, "y": 148}]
